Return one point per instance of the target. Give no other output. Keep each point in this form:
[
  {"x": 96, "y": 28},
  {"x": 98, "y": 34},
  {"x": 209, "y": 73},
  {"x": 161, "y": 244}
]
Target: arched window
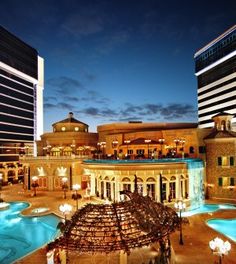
[
  {"x": 125, "y": 179},
  {"x": 223, "y": 125},
  {"x": 151, "y": 179},
  {"x": 191, "y": 149}
]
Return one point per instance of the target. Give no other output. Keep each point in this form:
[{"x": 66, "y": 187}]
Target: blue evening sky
[{"x": 115, "y": 61}]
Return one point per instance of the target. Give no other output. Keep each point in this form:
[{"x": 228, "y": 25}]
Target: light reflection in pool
[
  {"x": 20, "y": 235},
  {"x": 208, "y": 208},
  {"x": 224, "y": 226}
]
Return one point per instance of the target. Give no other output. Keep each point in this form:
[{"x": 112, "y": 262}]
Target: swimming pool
[
  {"x": 21, "y": 235},
  {"x": 224, "y": 226},
  {"x": 208, "y": 208}
]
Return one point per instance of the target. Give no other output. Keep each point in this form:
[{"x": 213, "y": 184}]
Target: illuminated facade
[
  {"x": 70, "y": 137},
  {"x": 21, "y": 102},
  {"x": 215, "y": 68},
  {"x": 220, "y": 163}
]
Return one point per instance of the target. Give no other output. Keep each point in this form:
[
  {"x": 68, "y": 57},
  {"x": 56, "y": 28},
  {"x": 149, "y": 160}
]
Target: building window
[
  {"x": 220, "y": 181},
  {"x": 225, "y": 161},
  {"x": 231, "y": 181},
  {"x": 130, "y": 152},
  {"x": 191, "y": 149},
  {"x": 231, "y": 161},
  {"x": 202, "y": 149},
  {"x": 63, "y": 129},
  {"x": 76, "y": 129},
  {"x": 140, "y": 151}
]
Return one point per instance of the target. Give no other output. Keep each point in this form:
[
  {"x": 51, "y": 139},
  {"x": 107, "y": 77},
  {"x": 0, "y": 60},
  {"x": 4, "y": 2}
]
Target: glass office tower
[
  {"x": 21, "y": 97},
  {"x": 215, "y": 68}
]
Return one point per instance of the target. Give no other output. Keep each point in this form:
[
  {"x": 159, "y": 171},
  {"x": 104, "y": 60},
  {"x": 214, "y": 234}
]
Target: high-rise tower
[
  {"x": 21, "y": 97},
  {"x": 215, "y": 68}
]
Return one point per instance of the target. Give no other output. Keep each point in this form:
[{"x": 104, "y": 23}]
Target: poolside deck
[{"x": 196, "y": 235}]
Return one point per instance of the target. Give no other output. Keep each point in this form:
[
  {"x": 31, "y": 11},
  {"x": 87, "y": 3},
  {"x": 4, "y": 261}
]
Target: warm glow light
[
  {"x": 34, "y": 178},
  {"x": 64, "y": 179},
  {"x": 76, "y": 187},
  {"x": 65, "y": 208},
  {"x": 219, "y": 247},
  {"x": 180, "y": 205}
]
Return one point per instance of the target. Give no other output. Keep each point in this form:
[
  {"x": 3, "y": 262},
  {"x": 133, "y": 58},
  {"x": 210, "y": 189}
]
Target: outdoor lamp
[
  {"x": 180, "y": 205},
  {"x": 219, "y": 247}
]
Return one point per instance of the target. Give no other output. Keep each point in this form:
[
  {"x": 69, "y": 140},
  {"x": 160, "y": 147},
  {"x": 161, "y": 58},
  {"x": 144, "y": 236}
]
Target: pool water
[
  {"x": 208, "y": 208},
  {"x": 21, "y": 235},
  {"x": 224, "y": 226}
]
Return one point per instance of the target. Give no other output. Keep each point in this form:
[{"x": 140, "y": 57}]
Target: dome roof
[{"x": 70, "y": 119}]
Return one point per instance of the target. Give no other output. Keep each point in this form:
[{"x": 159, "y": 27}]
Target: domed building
[{"x": 69, "y": 137}]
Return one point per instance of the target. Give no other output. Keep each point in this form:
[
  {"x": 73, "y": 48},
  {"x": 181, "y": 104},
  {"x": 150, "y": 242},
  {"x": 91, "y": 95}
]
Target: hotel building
[
  {"x": 21, "y": 100},
  {"x": 215, "y": 68}
]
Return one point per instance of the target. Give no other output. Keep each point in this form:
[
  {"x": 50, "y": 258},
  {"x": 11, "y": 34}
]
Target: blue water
[
  {"x": 208, "y": 208},
  {"x": 224, "y": 226},
  {"x": 169, "y": 160},
  {"x": 21, "y": 235}
]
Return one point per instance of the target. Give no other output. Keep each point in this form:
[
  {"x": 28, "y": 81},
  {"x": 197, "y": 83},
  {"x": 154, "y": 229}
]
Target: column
[
  {"x": 167, "y": 189},
  {"x": 177, "y": 187},
  {"x": 92, "y": 187},
  {"x": 157, "y": 189},
  {"x": 132, "y": 186},
  {"x": 117, "y": 190},
  {"x": 99, "y": 186},
  {"x": 112, "y": 191},
  {"x": 144, "y": 189},
  {"x": 105, "y": 189}
]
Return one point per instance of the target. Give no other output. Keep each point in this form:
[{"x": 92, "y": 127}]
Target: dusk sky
[{"x": 115, "y": 61}]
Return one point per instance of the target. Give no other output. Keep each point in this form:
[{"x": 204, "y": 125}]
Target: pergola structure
[{"x": 122, "y": 226}]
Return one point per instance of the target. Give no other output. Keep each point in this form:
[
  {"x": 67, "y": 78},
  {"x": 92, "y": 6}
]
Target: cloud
[
  {"x": 157, "y": 112},
  {"x": 72, "y": 98},
  {"x": 60, "y": 105},
  {"x": 49, "y": 106},
  {"x": 91, "y": 111},
  {"x": 65, "y": 85},
  {"x": 49, "y": 98},
  {"x": 83, "y": 24},
  {"x": 177, "y": 111}
]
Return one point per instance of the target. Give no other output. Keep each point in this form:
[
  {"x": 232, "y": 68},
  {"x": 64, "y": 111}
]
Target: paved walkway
[{"x": 196, "y": 234}]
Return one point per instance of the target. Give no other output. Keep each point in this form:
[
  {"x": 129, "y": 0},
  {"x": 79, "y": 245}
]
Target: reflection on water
[
  {"x": 224, "y": 226},
  {"x": 21, "y": 235},
  {"x": 208, "y": 208}
]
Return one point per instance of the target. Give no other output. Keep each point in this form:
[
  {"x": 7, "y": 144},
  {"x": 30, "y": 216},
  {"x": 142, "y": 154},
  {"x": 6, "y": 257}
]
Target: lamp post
[
  {"x": 180, "y": 206},
  {"x": 219, "y": 248},
  {"x": 76, "y": 196},
  {"x": 114, "y": 145},
  {"x": 127, "y": 141},
  {"x": 161, "y": 141},
  {"x": 103, "y": 146},
  {"x": 182, "y": 142},
  {"x": 65, "y": 209},
  {"x": 177, "y": 141},
  {"x": 147, "y": 141},
  {"x": 35, "y": 184},
  {"x": 64, "y": 186}
]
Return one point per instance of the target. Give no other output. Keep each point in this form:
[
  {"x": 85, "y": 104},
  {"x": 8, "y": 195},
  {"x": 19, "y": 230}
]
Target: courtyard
[{"x": 196, "y": 234}]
